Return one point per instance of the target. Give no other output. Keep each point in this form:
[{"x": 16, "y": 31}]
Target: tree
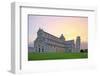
[
  {"x": 84, "y": 50},
  {"x": 81, "y": 50}
]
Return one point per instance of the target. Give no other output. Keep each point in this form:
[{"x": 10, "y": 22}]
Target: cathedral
[{"x": 46, "y": 42}]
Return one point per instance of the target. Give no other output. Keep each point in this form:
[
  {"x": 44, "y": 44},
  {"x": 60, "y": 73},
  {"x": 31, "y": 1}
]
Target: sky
[{"x": 69, "y": 26}]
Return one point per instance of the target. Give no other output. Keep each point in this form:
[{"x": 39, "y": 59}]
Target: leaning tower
[{"x": 78, "y": 43}]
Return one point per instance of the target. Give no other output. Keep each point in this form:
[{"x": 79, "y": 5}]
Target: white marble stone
[{"x": 46, "y": 42}]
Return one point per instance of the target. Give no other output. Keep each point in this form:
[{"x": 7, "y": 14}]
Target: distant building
[
  {"x": 46, "y": 42},
  {"x": 78, "y": 44},
  {"x": 30, "y": 49},
  {"x": 70, "y": 46}
]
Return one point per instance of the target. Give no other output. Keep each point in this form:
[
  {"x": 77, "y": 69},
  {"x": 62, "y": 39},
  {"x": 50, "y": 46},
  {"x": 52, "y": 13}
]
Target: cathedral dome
[{"x": 62, "y": 37}]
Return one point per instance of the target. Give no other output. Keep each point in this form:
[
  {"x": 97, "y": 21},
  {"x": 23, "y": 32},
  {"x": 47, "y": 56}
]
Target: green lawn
[{"x": 50, "y": 56}]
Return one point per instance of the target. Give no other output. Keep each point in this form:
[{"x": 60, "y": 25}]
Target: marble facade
[{"x": 46, "y": 42}]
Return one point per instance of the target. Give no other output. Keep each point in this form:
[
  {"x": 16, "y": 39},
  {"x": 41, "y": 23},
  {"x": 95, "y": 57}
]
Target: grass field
[{"x": 51, "y": 56}]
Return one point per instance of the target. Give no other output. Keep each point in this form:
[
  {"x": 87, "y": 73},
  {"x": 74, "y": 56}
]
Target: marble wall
[{"x": 46, "y": 42}]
